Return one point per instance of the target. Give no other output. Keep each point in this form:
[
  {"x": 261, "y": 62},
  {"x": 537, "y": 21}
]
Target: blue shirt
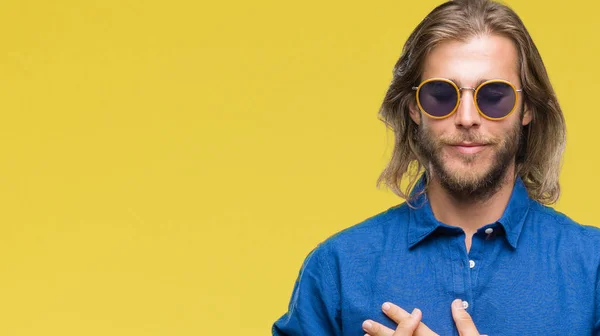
[{"x": 535, "y": 273}]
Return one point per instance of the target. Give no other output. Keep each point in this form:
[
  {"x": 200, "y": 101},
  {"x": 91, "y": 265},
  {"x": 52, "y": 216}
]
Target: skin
[
  {"x": 468, "y": 148},
  {"x": 410, "y": 324},
  {"x": 479, "y": 58}
]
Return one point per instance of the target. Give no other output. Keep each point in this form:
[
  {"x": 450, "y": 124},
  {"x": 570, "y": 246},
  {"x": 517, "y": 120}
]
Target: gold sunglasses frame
[{"x": 458, "y": 94}]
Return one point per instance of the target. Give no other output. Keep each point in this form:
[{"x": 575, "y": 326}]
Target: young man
[{"x": 479, "y": 138}]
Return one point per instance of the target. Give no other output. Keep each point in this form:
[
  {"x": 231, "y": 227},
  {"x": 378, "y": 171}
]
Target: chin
[
  {"x": 471, "y": 181},
  {"x": 467, "y": 172},
  {"x": 467, "y": 166},
  {"x": 466, "y": 178}
]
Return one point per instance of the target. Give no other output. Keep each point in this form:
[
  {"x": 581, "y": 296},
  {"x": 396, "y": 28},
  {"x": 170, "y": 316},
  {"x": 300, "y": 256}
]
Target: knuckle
[
  {"x": 466, "y": 318},
  {"x": 407, "y": 323}
]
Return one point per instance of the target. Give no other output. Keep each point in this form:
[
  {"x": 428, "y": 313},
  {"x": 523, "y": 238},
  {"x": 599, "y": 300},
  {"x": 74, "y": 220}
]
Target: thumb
[{"x": 462, "y": 319}]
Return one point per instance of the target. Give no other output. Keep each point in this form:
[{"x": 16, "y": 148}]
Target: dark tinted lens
[
  {"x": 496, "y": 99},
  {"x": 438, "y": 98}
]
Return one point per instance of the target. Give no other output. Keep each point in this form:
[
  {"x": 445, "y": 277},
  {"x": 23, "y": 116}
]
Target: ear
[
  {"x": 527, "y": 115},
  {"x": 415, "y": 113}
]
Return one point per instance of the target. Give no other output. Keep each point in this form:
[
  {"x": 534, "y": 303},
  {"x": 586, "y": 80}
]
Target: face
[{"x": 468, "y": 154}]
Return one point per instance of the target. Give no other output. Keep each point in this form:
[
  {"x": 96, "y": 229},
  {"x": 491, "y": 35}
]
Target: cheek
[
  {"x": 436, "y": 128},
  {"x": 505, "y": 128}
]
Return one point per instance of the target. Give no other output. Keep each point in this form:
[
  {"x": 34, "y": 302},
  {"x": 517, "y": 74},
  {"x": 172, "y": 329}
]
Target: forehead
[{"x": 474, "y": 60}]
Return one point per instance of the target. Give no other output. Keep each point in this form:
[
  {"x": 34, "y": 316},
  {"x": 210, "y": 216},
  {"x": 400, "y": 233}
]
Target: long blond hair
[{"x": 539, "y": 158}]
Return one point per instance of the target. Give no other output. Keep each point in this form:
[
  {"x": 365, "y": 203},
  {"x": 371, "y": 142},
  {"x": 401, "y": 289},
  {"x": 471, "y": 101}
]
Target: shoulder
[
  {"x": 563, "y": 228},
  {"x": 560, "y": 221},
  {"x": 370, "y": 235}
]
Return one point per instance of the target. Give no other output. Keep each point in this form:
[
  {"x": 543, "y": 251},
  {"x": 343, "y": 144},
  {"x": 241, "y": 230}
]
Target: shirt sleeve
[
  {"x": 314, "y": 306},
  {"x": 597, "y": 315}
]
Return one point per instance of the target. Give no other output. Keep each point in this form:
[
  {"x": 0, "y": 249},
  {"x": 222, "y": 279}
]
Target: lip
[{"x": 469, "y": 148}]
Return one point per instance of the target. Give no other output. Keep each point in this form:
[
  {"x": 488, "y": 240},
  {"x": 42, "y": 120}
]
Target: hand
[{"x": 410, "y": 324}]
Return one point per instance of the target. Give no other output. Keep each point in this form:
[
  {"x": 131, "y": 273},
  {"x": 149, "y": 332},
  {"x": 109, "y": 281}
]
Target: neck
[{"x": 470, "y": 214}]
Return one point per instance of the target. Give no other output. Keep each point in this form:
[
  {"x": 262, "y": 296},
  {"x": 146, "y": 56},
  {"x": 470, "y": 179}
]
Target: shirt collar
[{"x": 422, "y": 221}]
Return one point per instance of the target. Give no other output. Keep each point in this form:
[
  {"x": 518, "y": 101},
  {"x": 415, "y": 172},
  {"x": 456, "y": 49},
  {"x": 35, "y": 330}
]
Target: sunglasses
[{"x": 438, "y": 98}]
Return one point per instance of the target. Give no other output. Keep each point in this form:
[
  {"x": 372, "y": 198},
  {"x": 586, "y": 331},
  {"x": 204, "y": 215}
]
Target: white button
[
  {"x": 465, "y": 304},
  {"x": 471, "y": 263},
  {"x": 489, "y": 230}
]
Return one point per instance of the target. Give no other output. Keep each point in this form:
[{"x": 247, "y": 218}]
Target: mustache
[{"x": 478, "y": 138}]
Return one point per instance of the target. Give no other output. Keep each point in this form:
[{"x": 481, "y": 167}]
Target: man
[{"x": 475, "y": 249}]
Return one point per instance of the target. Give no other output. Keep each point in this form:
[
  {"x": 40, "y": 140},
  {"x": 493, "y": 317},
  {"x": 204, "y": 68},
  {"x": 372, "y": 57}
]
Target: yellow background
[{"x": 165, "y": 166}]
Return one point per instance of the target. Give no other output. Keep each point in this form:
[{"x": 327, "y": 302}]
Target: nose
[{"x": 466, "y": 115}]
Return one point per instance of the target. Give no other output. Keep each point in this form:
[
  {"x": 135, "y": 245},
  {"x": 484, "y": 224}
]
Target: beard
[{"x": 469, "y": 183}]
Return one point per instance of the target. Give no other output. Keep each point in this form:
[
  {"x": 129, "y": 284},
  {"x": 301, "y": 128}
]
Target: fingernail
[
  {"x": 415, "y": 312},
  {"x": 457, "y": 304},
  {"x": 367, "y": 325},
  {"x": 386, "y": 306}
]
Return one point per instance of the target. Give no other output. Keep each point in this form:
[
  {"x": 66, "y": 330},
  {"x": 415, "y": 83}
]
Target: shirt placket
[{"x": 462, "y": 272}]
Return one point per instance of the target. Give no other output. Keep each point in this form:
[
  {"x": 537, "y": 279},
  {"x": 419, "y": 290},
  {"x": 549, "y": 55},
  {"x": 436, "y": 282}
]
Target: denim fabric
[{"x": 535, "y": 273}]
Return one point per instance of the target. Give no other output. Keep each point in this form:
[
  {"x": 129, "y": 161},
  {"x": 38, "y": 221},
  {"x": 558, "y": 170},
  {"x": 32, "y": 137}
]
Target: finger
[
  {"x": 398, "y": 315},
  {"x": 394, "y": 312},
  {"x": 409, "y": 325},
  {"x": 376, "y": 329},
  {"x": 462, "y": 319}
]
